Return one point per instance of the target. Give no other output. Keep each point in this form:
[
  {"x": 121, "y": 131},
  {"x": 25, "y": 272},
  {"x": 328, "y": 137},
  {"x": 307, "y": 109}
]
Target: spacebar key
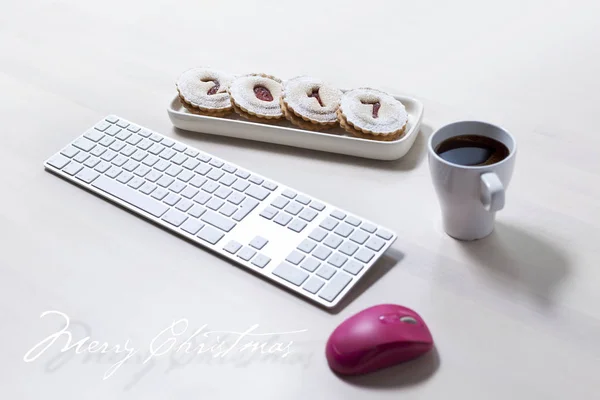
[{"x": 130, "y": 196}]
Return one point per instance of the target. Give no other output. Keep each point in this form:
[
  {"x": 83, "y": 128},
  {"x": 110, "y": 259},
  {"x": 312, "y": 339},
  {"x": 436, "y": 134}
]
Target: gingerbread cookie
[
  {"x": 310, "y": 103},
  {"x": 372, "y": 114},
  {"x": 256, "y": 97},
  {"x": 205, "y": 91}
]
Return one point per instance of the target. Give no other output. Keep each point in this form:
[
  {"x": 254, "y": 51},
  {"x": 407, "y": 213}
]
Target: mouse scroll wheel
[{"x": 408, "y": 320}]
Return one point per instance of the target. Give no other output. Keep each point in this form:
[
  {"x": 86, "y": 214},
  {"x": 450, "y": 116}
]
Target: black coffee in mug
[{"x": 472, "y": 150}]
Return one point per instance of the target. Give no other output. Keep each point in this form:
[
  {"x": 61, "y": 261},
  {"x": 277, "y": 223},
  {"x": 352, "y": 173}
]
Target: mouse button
[{"x": 398, "y": 318}]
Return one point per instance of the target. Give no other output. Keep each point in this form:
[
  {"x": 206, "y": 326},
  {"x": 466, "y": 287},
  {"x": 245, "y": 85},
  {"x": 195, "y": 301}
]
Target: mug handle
[{"x": 492, "y": 192}]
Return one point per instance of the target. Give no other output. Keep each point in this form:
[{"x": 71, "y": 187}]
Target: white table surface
[{"x": 516, "y": 315}]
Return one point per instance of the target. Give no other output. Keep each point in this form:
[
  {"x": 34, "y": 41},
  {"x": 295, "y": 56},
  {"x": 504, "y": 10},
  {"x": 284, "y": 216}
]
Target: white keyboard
[{"x": 307, "y": 245}]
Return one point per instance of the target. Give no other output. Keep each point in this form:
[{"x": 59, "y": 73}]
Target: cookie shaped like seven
[
  {"x": 310, "y": 103},
  {"x": 372, "y": 114},
  {"x": 256, "y": 97},
  {"x": 205, "y": 91}
]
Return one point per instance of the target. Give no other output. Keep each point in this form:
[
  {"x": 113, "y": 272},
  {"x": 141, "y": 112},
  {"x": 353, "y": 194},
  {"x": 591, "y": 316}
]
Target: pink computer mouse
[{"x": 376, "y": 338}]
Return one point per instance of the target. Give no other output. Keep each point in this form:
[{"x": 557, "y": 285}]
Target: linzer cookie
[
  {"x": 256, "y": 97},
  {"x": 372, "y": 114},
  {"x": 310, "y": 103},
  {"x": 205, "y": 91}
]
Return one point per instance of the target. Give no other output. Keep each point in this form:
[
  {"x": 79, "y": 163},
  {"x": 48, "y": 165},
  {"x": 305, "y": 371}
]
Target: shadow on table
[
  {"x": 522, "y": 260},
  {"x": 381, "y": 267},
  {"x": 410, "y": 161},
  {"x": 402, "y": 375}
]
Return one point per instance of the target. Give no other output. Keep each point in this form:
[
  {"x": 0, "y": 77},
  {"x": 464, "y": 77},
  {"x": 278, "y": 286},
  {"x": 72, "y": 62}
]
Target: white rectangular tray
[{"x": 334, "y": 140}]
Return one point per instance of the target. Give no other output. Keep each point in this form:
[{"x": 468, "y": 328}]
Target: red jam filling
[
  {"x": 376, "y": 107},
  {"x": 262, "y": 93},
  {"x": 315, "y": 94},
  {"x": 215, "y": 88}
]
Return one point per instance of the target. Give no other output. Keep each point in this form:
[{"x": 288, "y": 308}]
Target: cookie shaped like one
[
  {"x": 372, "y": 112},
  {"x": 257, "y": 95},
  {"x": 205, "y": 89},
  {"x": 311, "y": 99}
]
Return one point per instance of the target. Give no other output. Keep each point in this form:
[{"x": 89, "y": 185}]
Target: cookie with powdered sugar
[
  {"x": 310, "y": 103},
  {"x": 205, "y": 91},
  {"x": 372, "y": 114},
  {"x": 256, "y": 97}
]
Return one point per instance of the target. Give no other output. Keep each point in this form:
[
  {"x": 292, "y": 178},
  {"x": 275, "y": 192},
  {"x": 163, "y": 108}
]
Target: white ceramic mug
[{"x": 470, "y": 196}]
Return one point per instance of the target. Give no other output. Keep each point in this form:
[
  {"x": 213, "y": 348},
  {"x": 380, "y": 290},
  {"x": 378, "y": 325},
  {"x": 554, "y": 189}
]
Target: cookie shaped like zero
[
  {"x": 310, "y": 103},
  {"x": 372, "y": 114},
  {"x": 257, "y": 96},
  {"x": 205, "y": 91}
]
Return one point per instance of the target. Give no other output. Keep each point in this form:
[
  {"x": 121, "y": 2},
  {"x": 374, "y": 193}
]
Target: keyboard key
[
  {"x": 268, "y": 212},
  {"x": 135, "y": 182},
  {"x": 130, "y": 196},
  {"x": 196, "y": 211},
  {"x": 290, "y": 273},
  {"x": 282, "y": 219},
  {"x": 106, "y": 141},
  {"x": 113, "y": 172},
  {"x": 189, "y": 192},
  {"x": 223, "y": 192},
  {"x": 81, "y": 157},
  {"x": 112, "y": 130},
  {"x": 167, "y": 142},
  {"x": 317, "y": 205},
  {"x": 144, "y": 133},
  {"x": 159, "y": 193},
  {"x": 326, "y": 271},
  {"x": 191, "y": 163},
  {"x": 153, "y": 176},
  {"x": 338, "y": 214},
  {"x": 156, "y": 149},
  {"x": 295, "y": 257},
  {"x": 155, "y": 137},
  {"x": 257, "y": 192},
  {"x": 240, "y": 185},
  {"x": 307, "y": 245},
  {"x": 124, "y": 177},
  {"x": 203, "y": 157},
  {"x": 202, "y": 198},
  {"x": 280, "y": 202},
  {"x": 269, "y": 185},
  {"x": 303, "y": 199},
  {"x": 229, "y": 168},
  {"x": 167, "y": 154},
  {"x": 261, "y": 261},
  {"x": 180, "y": 147},
  {"x": 128, "y": 150},
  {"x": 191, "y": 152},
  {"x": 142, "y": 170},
  {"x": 294, "y": 208},
  {"x": 119, "y": 160},
  {"x": 145, "y": 144},
  {"x": 84, "y": 144},
  {"x": 216, "y": 163},
  {"x": 122, "y": 123},
  {"x": 87, "y": 175},
  {"x": 332, "y": 241},
  {"x": 328, "y": 223},
  {"x": 197, "y": 181},
  {"x": 236, "y": 198},
  {"x": 384, "y": 234},
  {"x": 290, "y": 194},
  {"x": 91, "y": 162},
  {"x": 150, "y": 160},
  {"x": 310, "y": 264},
  {"x": 318, "y": 234},
  {"x": 308, "y": 214},
  {"x": 173, "y": 170},
  {"x": 192, "y": 226},
  {"x": 364, "y": 255},
  {"x": 321, "y": 253},
  {"x": 256, "y": 179},
  {"x": 246, "y": 253},
  {"x": 344, "y": 230},
  {"x": 202, "y": 169},
  {"x": 171, "y": 199},
  {"x": 215, "y": 174},
  {"x": 184, "y": 205},
  {"x": 211, "y": 235},
  {"x": 130, "y": 165},
  {"x": 214, "y": 203},
  {"x": 337, "y": 260},
  {"x": 134, "y": 140},
  {"x": 359, "y": 236},
  {"x": 139, "y": 155},
  {"x": 94, "y": 135},
  {"x": 112, "y": 119},
  {"x": 375, "y": 243},
  {"x": 165, "y": 181},
  {"x": 232, "y": 247},
  {"x": 162, "y": 165},
  {"x": 69, "y": 151},
  {"x": 313, "y": 285},
  {"x": 245, "y": 208},
  {"x": 354, "y": 267},
  {"x": 108, "y": 155},
  {"x": 297, "y": 225},
  {"x": 102, "y": 125},
  {"x": 147, "y": 188},
  {"x": 97, "y": 151},
  {"x": 218, "y": 221},
  {"x": 228, "y": 209},
  {"x": 258, "y": 242},
  {"x": 124, "y": 134},
  {"x": 102, "y": 167},
  {"x": 348, "y": 248},
  {"x": 335, "y": 287},
  {"x": 368, "y": 227},
  {"x": 242, "y": 174},
  {"x": 227, "y": 180},
  {"x": 133, "y": 128}
]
